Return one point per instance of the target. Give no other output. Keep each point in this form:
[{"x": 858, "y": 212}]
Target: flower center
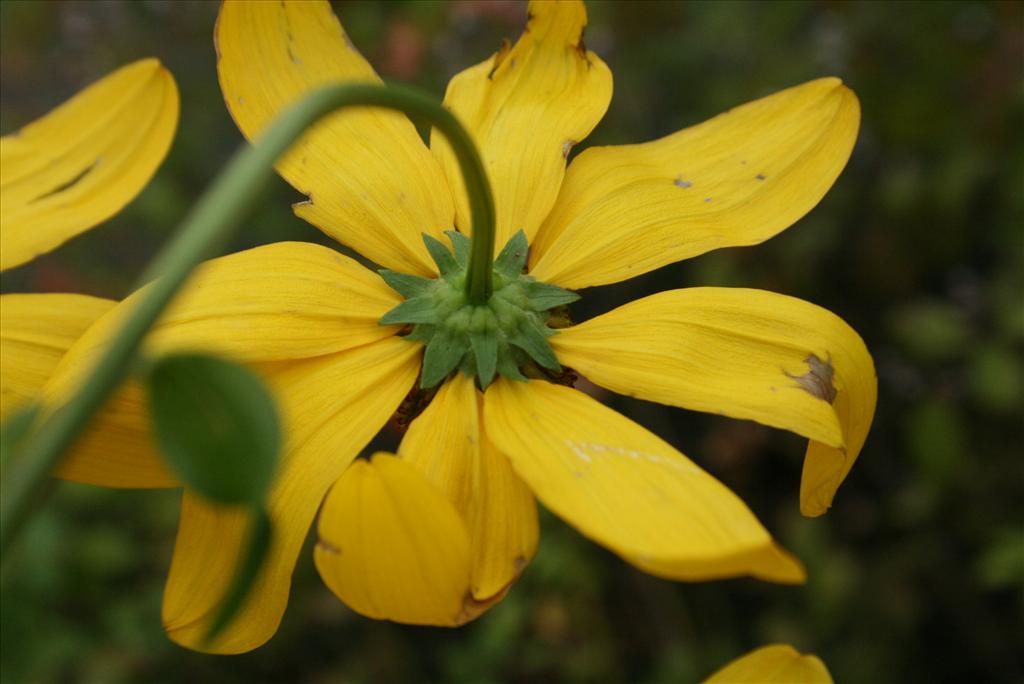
[{"x": 506, "y": 335}]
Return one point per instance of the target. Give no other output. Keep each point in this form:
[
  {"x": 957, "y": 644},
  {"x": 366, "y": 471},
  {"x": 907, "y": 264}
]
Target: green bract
[{"x": 501, "y": 336}]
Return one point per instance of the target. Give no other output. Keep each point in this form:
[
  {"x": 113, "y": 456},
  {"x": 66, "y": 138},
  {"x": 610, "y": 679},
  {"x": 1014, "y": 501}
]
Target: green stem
[
  {"x": 481, "y": 204},
  {"x": 205, "y": 230}
]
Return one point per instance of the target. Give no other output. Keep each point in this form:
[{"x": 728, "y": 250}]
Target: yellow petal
[
  {"x": 771, "y": 563},
  {"x": 775, "y": 664},
  {"x": 624, "y": 487},
  {"x": 81, "y": 163},
  {"x": 372, "y": 184},
  {"x": 117, "y": 449},
  {"x": 826, "y": 467},
  {"x": 526, "y": 107},
  {"x": 391, "y": 545},
  {"x": 332, "y": 406},
  {"x": 281, "y": 301},
  {"x": 737, "y": 179},
  {"x": 447, "y": 444},
  {"x": 35, "y": 331},
  {"x": 285, "y": 300},
  {"x": 743, "y": 353}
]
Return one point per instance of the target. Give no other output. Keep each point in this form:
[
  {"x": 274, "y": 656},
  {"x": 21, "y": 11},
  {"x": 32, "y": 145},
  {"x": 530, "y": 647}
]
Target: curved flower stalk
[
  {"x": 774, "y": 664},
  {"x": 59, "y": 176},
  {"x": 483, "y": 379}
]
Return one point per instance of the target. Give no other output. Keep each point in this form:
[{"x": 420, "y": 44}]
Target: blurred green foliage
[{"x": 916, "y": 574}]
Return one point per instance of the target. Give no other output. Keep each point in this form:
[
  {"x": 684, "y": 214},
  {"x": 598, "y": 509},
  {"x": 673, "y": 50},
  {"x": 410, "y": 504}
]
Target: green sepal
[
  {"x": 544, "y": 296},
  {"x": 422, "y": 332},
  {"x": 512, "y": 260},
  {"x": 442, "y": 355},
  {"x": 408, "y": 286},
  {"x": 441, "y": 255},
  {"x": 416, "y": 310},
  {"x": 508, "y": 367},
  {"x": 533, "y": 341},
  {"x": 462, "y": 246},
  {"x": 485, "y": 350},
  {"x": 506, "y": 336}
]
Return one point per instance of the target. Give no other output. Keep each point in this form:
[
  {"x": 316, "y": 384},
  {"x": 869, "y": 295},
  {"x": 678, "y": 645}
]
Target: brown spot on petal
[
  {"x": 567, "y": 148},
  {"x": 328, "y": 548},
  {"x": 581, "y": 47},
  {"x": 817, "y": 381},
  {"x": 500, "y": 56},
  {"x": 472, "y": 608},
  {"x": 581, "y": 50}
]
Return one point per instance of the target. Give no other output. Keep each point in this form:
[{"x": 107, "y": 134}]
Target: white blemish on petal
[
  {"x": 586, "y": 450},
  {"x": 680, "y": 183},
  {"x": 328, "y": 548},
  {"x": 579, "y": 452}
]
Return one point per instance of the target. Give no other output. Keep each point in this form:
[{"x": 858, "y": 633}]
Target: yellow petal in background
[
  {"x": 525, "y": 108},
  {"x": 775, "y": 664},
  {"x": 743, "y": 353},
  {"x": 372, "y": 183},
  {"x": 332, "y": 406},
  {"x": 625, "y": 488},
  {"x": 447, "y": 445},
  {"x": 391, "y": 545},
  {"x": 35, "y": 332},
  {"x": 81, "y": 163},
  {"x": 737, "y": 179}
]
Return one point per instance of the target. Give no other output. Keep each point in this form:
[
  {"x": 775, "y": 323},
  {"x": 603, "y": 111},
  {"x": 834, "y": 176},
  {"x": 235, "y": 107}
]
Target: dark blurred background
[{"x": 916, "y": 574}]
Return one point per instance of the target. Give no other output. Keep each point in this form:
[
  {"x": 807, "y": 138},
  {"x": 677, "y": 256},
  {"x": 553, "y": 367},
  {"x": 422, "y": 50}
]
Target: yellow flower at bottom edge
[
  {"x": 774, "y": 664},
  {"x": 59, "y": 176},
  {"x": 344, "y": 352}
]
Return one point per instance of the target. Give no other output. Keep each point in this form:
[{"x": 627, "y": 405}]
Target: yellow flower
[
  {"x": 59, "y": 176},
  {"x": 775, "y": 664},
  {"x": 438, "y": 534}
]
